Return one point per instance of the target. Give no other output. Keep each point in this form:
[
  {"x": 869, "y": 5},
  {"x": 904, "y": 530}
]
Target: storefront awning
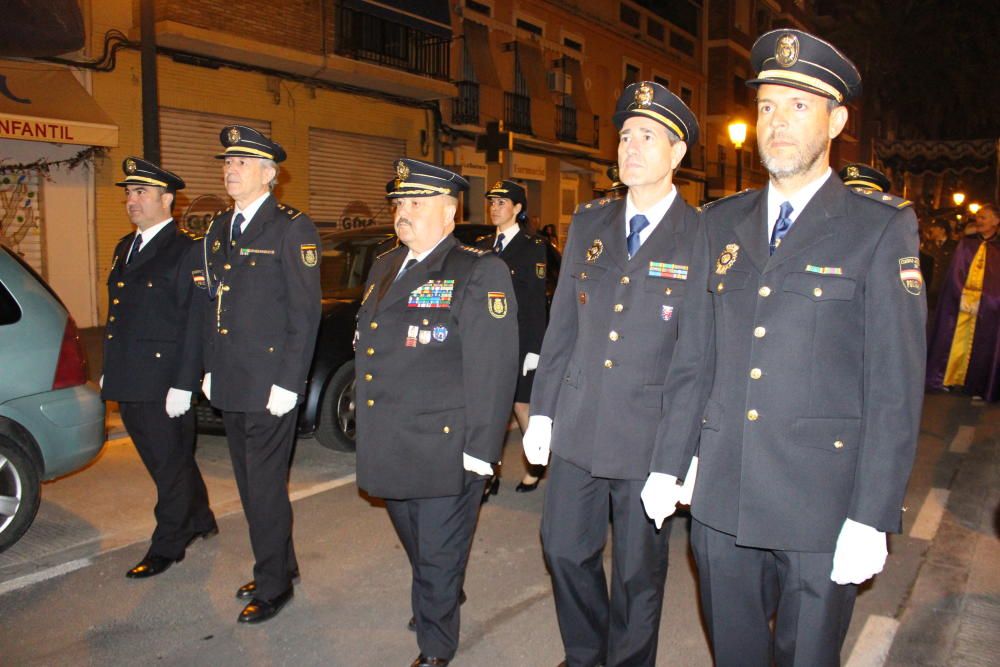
[
  {"x": 430, "y": 16},
  {"x": 46, "y": 103}
]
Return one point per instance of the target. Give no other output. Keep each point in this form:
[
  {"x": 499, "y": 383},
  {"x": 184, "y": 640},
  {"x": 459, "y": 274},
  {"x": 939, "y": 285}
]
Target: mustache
[{"x": 402, "y": 221}]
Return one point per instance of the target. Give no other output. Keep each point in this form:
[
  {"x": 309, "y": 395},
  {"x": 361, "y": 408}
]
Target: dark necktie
[
  {"x": 635, "y": 225},
  {"x": 136, "y": 244},
  {"x": 782, "y": 226},
  {"x": 498, "y": 246},
  {"x": 237, "y": 229},
  {"x": 406, "y": 267}
]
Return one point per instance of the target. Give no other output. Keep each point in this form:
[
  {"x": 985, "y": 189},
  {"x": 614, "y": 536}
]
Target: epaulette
[
  {"x": 383, "y": 254},
  {"x": 593, "y": 205},
  {"x": 289, "y": 211},
  {"x": 731, "y": 197},
  {"x": 221, "y": 211},
  {"x": 127, "y": 236},
  {"x": 193, "y": 235},
  {"x": 483, "y": 237},
  {"x": 474, "y": 251},
  {"x": 882, "y": 197}
]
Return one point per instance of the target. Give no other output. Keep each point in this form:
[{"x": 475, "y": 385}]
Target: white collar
[
  {"x": 422, "y": 256},
  {"x": 250, "y": 211},
  {"x": 150, "y": 232},
  {"x": 654, "y": 213},
  {"x": 508, "y": 234},
  {"x": 798, "y": 201}
]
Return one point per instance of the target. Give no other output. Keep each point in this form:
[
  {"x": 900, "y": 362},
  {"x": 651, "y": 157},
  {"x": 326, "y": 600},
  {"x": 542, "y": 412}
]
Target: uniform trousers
[
  {"x": 598, "y": 630},
  {"x": 166, "y": 447},
  {"x": 260, "y": 446},
  {"x": 437, "y": 536},
  {"x": 743, "y": 588}
]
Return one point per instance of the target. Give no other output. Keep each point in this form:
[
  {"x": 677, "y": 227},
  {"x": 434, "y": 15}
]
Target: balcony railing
[
  {"x": 376, "y": 40},
  {"x": 565, "y": 123},
  {"x": 517, "y": 112},
  {"x": 466, "y": 108}
]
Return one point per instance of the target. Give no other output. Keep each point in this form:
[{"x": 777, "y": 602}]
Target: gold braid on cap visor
[
  {"x": 798, "y": 77},
  {"x": 143, "y": 179},
  {"x": 663, "y": 119},
  {"x": 237, "y": 149}
]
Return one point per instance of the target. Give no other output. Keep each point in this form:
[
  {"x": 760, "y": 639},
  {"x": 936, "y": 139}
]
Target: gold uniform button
[
  {"x": 270, "y": 349},
  {"x": 447, "y": 429},
  {"x": 110, "y": 336},
  {"x": 157, "y": 355},
  {"x": 583, "y": 275},
  {"x": 764, "y": 291},
  {"x": 818, "y": 291},
  {"x": 227, "y": 266},
  {"x": 613, "y": 335},
  {"x": 224, "y": 332},
  {"x": 668, "y": 291},
  {"x": 625, "y": 280},
  {"x": 373, "y": 325},
  {"x": 370, "y": 351},
  {"x": 115, "y": 302},
  {"x": 368, "y": 377},
  {"x": 608, "y": 363},
  {"x": 619, "y": 307},
  {"x": 370, "y": 402},
  {"x": 718, "y": 288},
  {"x": 756, "y": 373},
  {"x": 838, "y": 444},
  {"x": 225, "y": 288},
  {"x": 111, "y": 319},
  {"x": 425, "y": 322},
  {"x": 120, "y": 284},
  {"x": 149, "y": 283},
  {"x": 759, "y": 332},
  {"x": 752, "y": 415}
]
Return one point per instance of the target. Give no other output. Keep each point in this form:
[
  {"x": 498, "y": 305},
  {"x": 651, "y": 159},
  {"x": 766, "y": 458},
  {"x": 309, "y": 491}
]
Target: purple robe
[{"x": 983, "y": 375}]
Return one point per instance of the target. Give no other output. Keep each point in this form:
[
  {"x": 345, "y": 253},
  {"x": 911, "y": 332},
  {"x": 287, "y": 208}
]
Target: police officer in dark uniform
[
  {"x": 436, "y": 362},
  {"x": 598, "y": 394},
  {"x": 151, "y": 359},
  {"x": 262, "y": 280},
  {"x": 525, "y": 256},
  {"x": 797, "y": 376}
]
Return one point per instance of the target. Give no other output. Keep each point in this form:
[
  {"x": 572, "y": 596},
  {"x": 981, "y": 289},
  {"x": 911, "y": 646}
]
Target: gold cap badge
[
  {"x": 644, "y": 95},
  {"x": 852, "y": 172},
  {"x": 595, "y": 250},
  {"x": 402, "y": 171},
  {"x": 130, "y": 166},
  {"x": 786, "y": 50},
  {"x": 233, "y": 135},
  {"x": 498, "y": 185}
]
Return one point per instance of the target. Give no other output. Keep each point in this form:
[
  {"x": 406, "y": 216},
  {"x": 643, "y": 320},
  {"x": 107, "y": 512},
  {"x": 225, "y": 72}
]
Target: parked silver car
[{"x": 51, "y": 420}]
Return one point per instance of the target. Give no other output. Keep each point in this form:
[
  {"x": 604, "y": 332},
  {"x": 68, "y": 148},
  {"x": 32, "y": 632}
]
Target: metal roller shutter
[
  {"x": 189, "y": 141},
  {"x": 347, "y": 177}
]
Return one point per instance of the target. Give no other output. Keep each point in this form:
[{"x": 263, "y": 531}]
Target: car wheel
[
  {"x": 20, "y": 492},
  {"x": 336, "y": 429}
]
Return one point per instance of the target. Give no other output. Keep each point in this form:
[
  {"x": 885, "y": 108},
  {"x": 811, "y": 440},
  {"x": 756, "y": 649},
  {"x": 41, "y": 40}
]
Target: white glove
[
  {"x": 860, "y": 554},
  {"x": 178, "y": 402},
  {"x": 537, "y": 439},
  {"x": 100, "y": 382},
  {"x": 281, "y": 401},
  {"x": 530, "y": 363},
  {"x": 687, "y": 488},
  {"x": 659, "y": 496},
  {"x": 206, "y": 386},
  {"x": 478, "y": 466}
]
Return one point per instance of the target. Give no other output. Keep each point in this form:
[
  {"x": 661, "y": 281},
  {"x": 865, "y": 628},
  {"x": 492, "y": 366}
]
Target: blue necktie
[
  {"x": 136, "y": 244},
  {"x": 782, "y": 226},
  {"x": 406, "y": 267},
  {"x": 234, "y": 233},
  {"x": 635, "y": 225},
  {"x": 498, "y": 246}
]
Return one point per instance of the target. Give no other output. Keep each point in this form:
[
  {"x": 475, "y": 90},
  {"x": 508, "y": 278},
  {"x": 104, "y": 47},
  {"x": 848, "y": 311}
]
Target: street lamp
[
  {"x": 974, "y": 208},
  {"x": 737, "y": 135},
  {"x": 958, "y": 198}
]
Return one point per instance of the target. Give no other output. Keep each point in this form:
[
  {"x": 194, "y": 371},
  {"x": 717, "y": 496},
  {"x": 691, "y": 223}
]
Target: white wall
[{"x": 67, "y": 226}]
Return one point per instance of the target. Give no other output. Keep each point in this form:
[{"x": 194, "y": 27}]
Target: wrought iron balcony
[
  {"x": 376, "y": 40},
  {"x": 565, "y": 123},
  {"x": 466, "y": 107},
  {"x": 517, "y": 113}
]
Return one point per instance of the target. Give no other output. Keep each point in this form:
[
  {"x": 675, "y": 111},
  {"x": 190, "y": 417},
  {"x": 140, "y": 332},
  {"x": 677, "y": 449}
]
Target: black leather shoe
[
  {"x": 412, "y": 625},
  {"x": 258, "y": 611},
  {"x": 204, "y": 534},
  {"x": 150, "y": 566},
  {"x": 427, "y": 661},
  {"x": 525, "y": 487},
  {"x": 246, "y": 591},
  {"x": 492, "y": 488}
]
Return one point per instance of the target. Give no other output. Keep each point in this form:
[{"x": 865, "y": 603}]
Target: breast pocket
[
  {"x": 818, "y": 288},
  {"x": 731, "y": 281},
  {"x": 587, "y": 277}
]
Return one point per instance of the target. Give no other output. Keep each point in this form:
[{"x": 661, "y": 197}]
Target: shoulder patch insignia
[
  {"x": 289, "y": 211},
  {"x": 882, "y": 197},
  {"x": 310, "y": 256},
  {"x": 498, "y": 304},
  {"x": 731, "y": 197},
  {"x": 910, "y": 275},
  {"x": 592, "y": 205}
]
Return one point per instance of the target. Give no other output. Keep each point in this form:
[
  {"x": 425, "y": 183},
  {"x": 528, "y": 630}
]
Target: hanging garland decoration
[{"x": 43, "y": 166}]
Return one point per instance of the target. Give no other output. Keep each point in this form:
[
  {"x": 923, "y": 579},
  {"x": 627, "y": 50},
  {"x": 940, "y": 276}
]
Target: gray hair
[{"x": 273, "y": 165}]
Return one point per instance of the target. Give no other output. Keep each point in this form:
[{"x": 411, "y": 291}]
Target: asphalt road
[{"x": 64, "y": 599}]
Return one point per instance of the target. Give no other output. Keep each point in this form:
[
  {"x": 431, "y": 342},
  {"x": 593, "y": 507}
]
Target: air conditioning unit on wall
[{"x": 560, "y": 82}]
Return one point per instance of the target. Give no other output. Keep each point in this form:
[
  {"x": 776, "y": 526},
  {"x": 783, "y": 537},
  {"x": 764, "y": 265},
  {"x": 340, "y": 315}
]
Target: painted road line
[
  {"x": 929, "y": 517},
  {"x": 874, "y": 642},
  {"x": 42, "y": 575},
  {"x": 963, "y": 439},
  {"x": 321, "y": 487}
]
